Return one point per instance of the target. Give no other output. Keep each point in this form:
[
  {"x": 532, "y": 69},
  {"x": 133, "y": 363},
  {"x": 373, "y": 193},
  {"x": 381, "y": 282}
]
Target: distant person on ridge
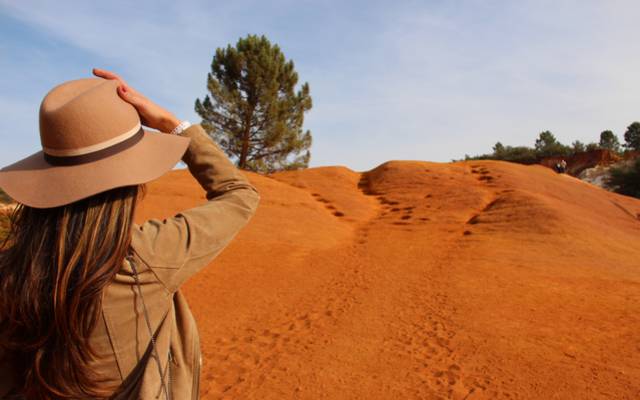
[
  {"x": 90, "y": 302},
  {"x": 561, "y": 167}
]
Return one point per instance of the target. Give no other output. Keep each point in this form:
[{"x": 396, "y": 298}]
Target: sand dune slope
[{"x": 417, "y": 280}]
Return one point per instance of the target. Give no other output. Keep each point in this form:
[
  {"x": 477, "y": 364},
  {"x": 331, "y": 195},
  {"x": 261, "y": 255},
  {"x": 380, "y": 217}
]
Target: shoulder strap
[
  {"x": 151, "y": 334},
  {"x": 130, "y": 386}
]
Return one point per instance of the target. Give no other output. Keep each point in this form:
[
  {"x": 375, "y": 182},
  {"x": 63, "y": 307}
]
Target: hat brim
[{"x": 34, "y": 182}]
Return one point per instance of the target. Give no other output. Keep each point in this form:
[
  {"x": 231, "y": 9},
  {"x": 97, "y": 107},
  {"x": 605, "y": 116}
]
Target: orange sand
[{"x": 418, "y": 280}]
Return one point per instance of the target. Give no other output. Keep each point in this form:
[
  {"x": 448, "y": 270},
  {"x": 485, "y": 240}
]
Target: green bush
[
  {"x": 518, "y": 154},
  {"x": 548, "y": 146},
  {"x": 626, "y": 180}
]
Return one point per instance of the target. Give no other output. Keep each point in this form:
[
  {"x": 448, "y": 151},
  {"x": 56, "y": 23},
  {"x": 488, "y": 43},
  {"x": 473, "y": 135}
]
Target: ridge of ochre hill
[{"x": 419, "y": 280}]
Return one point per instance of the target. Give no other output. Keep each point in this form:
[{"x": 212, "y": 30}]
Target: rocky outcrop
[{"x": 599, "y": 174}]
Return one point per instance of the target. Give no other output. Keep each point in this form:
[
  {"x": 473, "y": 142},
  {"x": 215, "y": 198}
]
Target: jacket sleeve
[{"x": 176, "y": 248}]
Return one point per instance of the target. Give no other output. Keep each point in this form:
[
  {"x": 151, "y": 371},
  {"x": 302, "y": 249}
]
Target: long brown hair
[{"x": 54, "y": 265}]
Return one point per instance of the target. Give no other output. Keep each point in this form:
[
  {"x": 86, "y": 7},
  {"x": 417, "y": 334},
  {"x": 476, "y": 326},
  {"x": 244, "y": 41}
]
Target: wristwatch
[{"x": 180, "y": 128}]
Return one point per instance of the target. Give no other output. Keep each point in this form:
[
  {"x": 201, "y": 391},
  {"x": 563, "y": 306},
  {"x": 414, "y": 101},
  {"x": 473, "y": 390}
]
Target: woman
[{"x": 90, "y": 302}]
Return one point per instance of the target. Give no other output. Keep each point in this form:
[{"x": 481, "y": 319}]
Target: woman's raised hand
[{"x": 151, "y": 114}]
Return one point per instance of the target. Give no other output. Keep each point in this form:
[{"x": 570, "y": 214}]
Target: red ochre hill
[{"x": 420, "y": 280}]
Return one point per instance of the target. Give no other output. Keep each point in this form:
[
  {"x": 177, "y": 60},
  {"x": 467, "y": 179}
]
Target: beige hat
[{"x": 92, "y": 141}]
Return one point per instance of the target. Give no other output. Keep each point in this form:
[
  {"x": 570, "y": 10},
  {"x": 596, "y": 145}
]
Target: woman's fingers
[
  {"x": 125, "y": 94},
  {"x": 112, "y": 75},
  {"x": 131, "y": 97},
  {"x": 107, "y": 75},
  {"x": 150, "y": 113}
]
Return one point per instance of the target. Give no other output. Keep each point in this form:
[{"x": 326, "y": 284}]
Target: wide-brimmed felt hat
[{"x": 92, "y": 141}]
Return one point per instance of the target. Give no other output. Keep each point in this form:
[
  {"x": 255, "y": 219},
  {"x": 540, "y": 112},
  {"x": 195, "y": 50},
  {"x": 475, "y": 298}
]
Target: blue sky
[{"x": 394, "y": 80}]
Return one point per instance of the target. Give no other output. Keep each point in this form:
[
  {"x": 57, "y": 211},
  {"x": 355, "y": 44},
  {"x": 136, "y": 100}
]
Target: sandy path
[{"x": 420, "y": 280}]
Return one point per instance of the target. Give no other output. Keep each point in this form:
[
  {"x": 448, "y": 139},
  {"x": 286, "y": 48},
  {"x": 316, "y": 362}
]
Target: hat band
[
  {"x": 94, "y": 147},
  {"x": 96, "y": 155}
]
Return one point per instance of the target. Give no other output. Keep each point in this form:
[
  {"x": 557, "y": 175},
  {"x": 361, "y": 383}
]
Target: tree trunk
[{"x": 245, "y": 140}]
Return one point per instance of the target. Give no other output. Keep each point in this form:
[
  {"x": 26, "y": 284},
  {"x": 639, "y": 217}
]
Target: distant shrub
[
  {"x": 626, "y": 180},
  {"x": 632, "y": 136},
  {"x": 578, "y": 147},
  {"x": 547, "y": 145},
  {"x": 609, "y": 141},
  {"x": 518, "y": 154},
  {"x": 592, "y": 146}
]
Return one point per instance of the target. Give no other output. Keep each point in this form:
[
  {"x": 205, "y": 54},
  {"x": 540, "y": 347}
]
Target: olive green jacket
[{"x": 166, "y": 253}]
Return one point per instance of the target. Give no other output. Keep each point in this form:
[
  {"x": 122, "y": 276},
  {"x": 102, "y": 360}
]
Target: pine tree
[
  {"x": 578, "y": 147},
  {"x": 547, "y": 146},
  {"x": 609, "y": 141},
  {"x": 252, "y": 109},
  {"x": 498, "y": 150},
  {"x": 632, "y": 136}
]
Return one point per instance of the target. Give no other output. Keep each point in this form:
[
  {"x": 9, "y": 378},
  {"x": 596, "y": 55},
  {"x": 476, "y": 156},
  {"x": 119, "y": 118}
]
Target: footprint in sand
[
  {"x": 474, "y": 220},
  {"x": 247, "y": 358},
  {"x": 328, "y": 204},
  {"x": 487, "y": 178},
  {"x": 483, "y": 172},
  {"x": 365, "y": 187},
  {"x": 383, "y": 200}
]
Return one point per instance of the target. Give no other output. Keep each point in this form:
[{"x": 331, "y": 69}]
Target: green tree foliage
[
  {"x": 632, "y": 136},
  {"x": 253, "y": 110},
  {"x": 609, "y": 141},
  {"x": 547, "y": 146},
  {"x": 519, "y": 154},
  {"x": 626, "y": 180},
  {"x": 499, "y": 150},
  {"x": 578, "y": 147},
  {"x": 545, "y": 142},
  {"x": 592, "y": 146}
]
